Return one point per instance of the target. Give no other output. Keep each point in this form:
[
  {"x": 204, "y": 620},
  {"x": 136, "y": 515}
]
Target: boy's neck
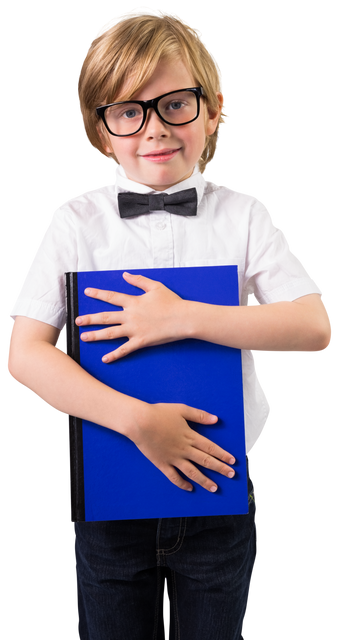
[{"x": 139, "y": 187}]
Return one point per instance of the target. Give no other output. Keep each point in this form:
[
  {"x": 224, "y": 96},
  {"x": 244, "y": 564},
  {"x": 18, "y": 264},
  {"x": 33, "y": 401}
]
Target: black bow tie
[{"x": 182, "y": 203}]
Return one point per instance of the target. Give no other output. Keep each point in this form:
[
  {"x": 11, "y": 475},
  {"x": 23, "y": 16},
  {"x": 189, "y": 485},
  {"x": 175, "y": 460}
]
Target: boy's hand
[
  {"x": 166, "y": 439},
  {"x": 146, "y": 320}
]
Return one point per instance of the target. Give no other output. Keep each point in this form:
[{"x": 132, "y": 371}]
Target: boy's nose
[{"x": 154, "y": 126}]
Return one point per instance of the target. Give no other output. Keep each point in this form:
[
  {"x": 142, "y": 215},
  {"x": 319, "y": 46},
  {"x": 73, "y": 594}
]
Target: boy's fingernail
[
  {"x": 105, "y": 358},
  {"x": 214, "y": 488},
  {"x": 230, "y": 474},
  {"x": 84, "y": 336},
  {"x": 231, "y": 461},
  {"x": 78, "y": 321}
]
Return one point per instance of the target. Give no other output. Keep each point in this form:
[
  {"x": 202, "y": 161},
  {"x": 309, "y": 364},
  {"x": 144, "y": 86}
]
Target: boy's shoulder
[{"x": 89, "y": 195}]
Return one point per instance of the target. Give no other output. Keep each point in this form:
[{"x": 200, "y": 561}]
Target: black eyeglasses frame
[{"x": 150, "y": 104}]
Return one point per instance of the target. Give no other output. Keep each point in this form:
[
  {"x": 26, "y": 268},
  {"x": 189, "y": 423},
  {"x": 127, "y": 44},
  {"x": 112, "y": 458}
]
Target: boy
[{"x": 150, "y": 97}]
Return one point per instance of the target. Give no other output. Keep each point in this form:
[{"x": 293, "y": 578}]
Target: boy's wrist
[
  {"x": 133, "y": 418},
  {"x": 184, "y": 320},
  {"x": 189, "y": 319}
]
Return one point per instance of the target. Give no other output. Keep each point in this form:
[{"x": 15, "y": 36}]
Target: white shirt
[{"x": 87, "y": 234}]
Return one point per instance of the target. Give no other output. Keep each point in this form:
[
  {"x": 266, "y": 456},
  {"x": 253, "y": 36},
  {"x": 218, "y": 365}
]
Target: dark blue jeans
[{"x": 122, "y": 566}]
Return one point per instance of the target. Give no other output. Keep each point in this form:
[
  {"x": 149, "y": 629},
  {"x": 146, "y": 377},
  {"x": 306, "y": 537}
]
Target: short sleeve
[
  {"x": 43, "y": 295},
  {"x": 272, "y": 272}
]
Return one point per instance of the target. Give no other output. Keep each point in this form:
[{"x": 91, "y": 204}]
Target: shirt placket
[{"x": 162, "y": 239}]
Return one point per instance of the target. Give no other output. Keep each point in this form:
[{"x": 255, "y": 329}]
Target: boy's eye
[
  {"x": 176, "y": 105},
  {"x": 128, "y": 112},
  {"x": 131, "y": 113}
]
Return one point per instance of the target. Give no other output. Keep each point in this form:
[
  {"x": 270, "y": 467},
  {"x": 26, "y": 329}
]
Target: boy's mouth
[{"x": 162, "y": 155}]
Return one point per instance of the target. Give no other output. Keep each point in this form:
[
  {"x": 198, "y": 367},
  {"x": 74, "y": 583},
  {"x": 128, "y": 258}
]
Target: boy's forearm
[
  {"x": 61, "y": 382},
  {"x": 301, "y": 325}
]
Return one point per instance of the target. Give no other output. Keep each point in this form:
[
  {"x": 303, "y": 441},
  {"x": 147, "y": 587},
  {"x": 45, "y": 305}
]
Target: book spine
[{"x": 75, "y": 424}]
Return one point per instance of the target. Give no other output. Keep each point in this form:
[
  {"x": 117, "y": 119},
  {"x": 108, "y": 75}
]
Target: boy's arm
[
  {"x": 160, "y": 431},
  {"x": 301, "y": 325},
  {"x": 316, "y": 305},
  {"x": 161, "y": 316}
]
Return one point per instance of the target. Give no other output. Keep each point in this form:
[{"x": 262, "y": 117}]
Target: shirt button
[{"x": 161, "y": 226}]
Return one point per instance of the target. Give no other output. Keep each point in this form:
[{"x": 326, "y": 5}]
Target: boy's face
[{"x": 161, "y": 155}]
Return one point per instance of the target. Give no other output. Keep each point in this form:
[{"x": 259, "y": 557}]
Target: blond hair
[{"x": 130, "y": 51}]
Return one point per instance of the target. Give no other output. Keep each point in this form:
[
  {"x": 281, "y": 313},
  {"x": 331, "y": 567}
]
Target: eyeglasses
[{"x": 175, "y": 108}]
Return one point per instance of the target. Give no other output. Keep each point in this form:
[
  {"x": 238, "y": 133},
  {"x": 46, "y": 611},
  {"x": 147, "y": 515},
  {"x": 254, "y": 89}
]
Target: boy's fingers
[
  {"x": 175, "y": 477},
  {"x": 122, "y": 351},
  {"x": 194, "y": 474},
  {"x": 208, "y": 447},
  {"x": 120, "y": 299},
  {"x": 189, "y": 470},
  {"x": 146, "y": 284},
  {"x": 203, "y": 444},
  {"x": 112, "y": 297},
  {"x": 105, "y": 317},
  {"x": 198, "y": 415}
]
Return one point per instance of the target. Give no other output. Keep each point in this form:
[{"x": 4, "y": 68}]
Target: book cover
[{"x": 110, "y": 478}]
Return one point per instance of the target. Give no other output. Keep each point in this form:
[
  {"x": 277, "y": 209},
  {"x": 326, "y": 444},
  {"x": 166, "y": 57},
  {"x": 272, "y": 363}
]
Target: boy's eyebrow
[
  {"x": 133, "y": 98},
  {"x": 114, "y": 100}
]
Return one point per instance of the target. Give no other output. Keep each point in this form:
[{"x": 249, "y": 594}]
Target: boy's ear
[
  {"x": 213, "y": 117},
  {"x": 107, "y": 145},
  {"x": 105, "y": 141}
]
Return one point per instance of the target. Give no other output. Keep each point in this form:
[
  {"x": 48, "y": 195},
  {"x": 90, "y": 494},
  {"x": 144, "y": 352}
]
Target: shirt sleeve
[
  {"x": 272, "y": 272},
  {"x": 43, "y": 296}
]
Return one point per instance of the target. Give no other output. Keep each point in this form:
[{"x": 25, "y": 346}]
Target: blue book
[{"x": 110, "y": 478}]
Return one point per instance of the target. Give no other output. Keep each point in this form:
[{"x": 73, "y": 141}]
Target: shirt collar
[{"x": 196, "y": 180}]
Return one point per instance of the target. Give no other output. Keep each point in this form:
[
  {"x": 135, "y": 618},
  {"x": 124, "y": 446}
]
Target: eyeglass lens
[{"x": 176, "y": 108}]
